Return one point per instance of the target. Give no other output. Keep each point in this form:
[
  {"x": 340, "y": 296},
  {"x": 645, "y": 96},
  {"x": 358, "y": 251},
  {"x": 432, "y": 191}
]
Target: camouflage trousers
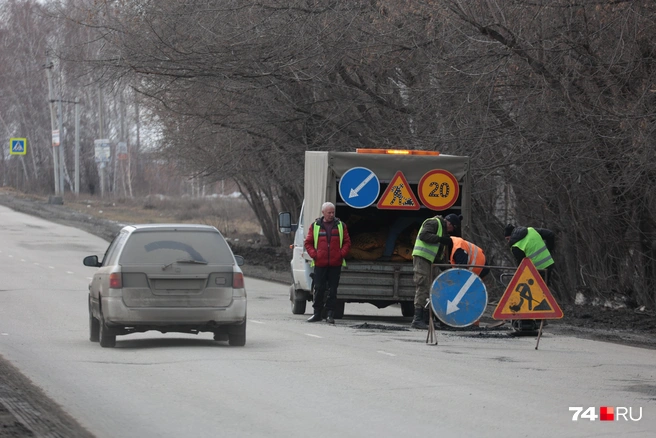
[{"x": 422, "y": 277}]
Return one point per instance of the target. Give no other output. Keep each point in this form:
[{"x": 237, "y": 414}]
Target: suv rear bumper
[{"x": 116, "y": 313}]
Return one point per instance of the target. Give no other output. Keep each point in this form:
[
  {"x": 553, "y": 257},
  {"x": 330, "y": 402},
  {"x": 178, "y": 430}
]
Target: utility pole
[
  {"x": 53, "y": 123},
  {"x": 123, "y": 141},
  {"x": 77, "y": 146},
  {"x": 61, "y": 146},
  {"x": 102, "y": 135}
]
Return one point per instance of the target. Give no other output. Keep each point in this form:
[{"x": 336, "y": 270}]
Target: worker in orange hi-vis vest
[{"x": 466, "y": 253}]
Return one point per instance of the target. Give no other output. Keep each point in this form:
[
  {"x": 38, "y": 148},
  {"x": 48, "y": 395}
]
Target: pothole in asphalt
[
  {"x": 646, "y": 389},
  {"x": 367, "y": 326}
]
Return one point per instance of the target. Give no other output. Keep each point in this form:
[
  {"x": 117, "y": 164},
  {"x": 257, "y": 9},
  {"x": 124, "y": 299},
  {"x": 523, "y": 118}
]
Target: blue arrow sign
[
  {"x": 458, "y": 297},
  {"x": 359, "y": 187}
]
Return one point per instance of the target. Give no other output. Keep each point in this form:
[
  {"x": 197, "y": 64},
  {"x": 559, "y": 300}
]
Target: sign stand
[
  {"x": 539, "y": 334},
  {"x": 431, "y": 336}
]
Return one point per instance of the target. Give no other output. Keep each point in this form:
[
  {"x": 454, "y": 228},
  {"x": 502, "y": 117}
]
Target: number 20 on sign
[{"x": 438, "y": 189}]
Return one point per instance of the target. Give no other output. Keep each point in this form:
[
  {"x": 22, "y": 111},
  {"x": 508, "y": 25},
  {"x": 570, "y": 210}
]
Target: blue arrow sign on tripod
[{"x": 458, "y": 297}]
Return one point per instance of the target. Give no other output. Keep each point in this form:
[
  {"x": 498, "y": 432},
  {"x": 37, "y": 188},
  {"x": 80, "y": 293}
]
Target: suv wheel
[
  {"x": 107, "y": 336},
  {"x": 237, "y": 334},
  {"x": 220, "y": 335},
  {"x": 94, "y": 328}
]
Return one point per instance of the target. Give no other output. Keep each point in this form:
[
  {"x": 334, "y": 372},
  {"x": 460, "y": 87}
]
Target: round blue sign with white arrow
[
  {"x": 359, "y": 187},
  {"x": 458, "y": 297}
]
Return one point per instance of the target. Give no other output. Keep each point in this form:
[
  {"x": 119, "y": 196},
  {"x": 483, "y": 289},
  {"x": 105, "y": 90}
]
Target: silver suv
[{"x": 170, "y": 278}]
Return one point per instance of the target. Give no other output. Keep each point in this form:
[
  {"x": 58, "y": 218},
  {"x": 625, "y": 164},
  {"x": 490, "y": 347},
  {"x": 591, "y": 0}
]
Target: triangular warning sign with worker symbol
[
  {"x": 527, "y": 296},
  {"x": 398, "y": 195}
]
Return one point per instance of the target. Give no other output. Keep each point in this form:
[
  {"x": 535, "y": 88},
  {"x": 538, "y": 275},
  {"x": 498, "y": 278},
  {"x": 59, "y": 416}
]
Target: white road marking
[
  {"x": 69, "y": 272},
  {"x": 51, "y": 267},
  {"x": 4, "y": 334},
  {"x": 255, "y": 321},
  {"x": 386, "y": 353},
  {"x": 22, "y": 260},
  {"x": 314, "y": 336},
  {"x": 10, "y": 256},
  {"x": 36, "y": 263}
]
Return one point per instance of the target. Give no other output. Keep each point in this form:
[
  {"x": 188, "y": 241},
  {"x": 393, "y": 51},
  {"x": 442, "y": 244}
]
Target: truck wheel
[
  {"x": 298, "y": 303},
  {"x": 298, "y": 307},
  {"x": 407, "y": 308},
  {"x": 338, "y": 313}
]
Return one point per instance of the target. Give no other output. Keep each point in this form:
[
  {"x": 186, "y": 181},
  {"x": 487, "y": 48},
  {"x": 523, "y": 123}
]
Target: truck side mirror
[{"x": 285, "y": 223}]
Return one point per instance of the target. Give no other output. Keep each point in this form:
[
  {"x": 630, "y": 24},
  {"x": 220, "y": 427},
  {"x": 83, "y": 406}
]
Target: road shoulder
[{"x": 26, "y": 411}]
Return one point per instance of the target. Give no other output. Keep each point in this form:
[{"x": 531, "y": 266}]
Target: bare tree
[
  {"x": 552, "y": 100},
  {"x": 23, "y": 93}
]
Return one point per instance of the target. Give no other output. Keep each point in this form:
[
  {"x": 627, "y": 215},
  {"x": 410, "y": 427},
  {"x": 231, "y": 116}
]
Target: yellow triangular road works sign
[
  {"x": 527, "y": 296},
  {"x": 398, "y": 195}
]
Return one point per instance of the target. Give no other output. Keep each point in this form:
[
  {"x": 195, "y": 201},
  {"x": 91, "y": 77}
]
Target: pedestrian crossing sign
[
  {"x": 527, "y": 296},
  {"x": 398, "y": 195},
  {"x": 17, "y": 146}
]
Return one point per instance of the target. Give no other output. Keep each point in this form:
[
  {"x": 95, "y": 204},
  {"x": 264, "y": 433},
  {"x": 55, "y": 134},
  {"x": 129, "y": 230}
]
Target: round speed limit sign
[{"x": 438, "y": 189}]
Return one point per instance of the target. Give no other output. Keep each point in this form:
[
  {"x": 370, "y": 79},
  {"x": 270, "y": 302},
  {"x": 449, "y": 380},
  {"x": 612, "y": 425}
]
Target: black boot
[
  {"x": 316, "y": 317},
  {"x": 329, "y": 317},
  {"x": 418, "y": 320}
]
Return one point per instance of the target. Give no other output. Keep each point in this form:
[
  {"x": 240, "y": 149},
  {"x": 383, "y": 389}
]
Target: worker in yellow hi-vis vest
[
  {"x": 537, "y": 244},
  {"x": 432, "y": 241}
]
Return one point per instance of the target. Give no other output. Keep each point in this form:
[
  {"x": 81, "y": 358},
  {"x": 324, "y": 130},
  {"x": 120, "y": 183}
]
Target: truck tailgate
[{"x": 367, "y": 280}]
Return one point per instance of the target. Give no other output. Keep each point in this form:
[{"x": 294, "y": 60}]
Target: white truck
[{"x": 382, "y": 196}]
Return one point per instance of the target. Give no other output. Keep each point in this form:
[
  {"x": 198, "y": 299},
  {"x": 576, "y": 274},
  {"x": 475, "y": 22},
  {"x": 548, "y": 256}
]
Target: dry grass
[{"x": 232, "y": 216}]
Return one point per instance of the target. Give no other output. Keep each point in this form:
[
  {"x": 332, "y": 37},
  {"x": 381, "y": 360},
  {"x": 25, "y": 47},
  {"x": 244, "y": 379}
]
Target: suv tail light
[
  {"x": 115, "y": 280},
  {"x": 237, "y": 280}
]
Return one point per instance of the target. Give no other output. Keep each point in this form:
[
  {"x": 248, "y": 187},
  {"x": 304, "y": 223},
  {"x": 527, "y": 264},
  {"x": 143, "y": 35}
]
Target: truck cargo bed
[{"x": 376, "y": 281}]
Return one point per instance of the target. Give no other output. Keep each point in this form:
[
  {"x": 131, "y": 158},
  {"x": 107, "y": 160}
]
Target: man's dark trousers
[{"x": 325, "y": 277}]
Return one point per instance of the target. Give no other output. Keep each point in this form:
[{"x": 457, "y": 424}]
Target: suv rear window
[{"x": 156, "y": 247}]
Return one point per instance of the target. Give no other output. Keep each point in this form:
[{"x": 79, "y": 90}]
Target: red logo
[{"x": 606, "y": 413}]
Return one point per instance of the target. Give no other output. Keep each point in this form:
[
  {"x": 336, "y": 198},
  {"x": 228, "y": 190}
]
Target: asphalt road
[{"x": 368, "y": 375}]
